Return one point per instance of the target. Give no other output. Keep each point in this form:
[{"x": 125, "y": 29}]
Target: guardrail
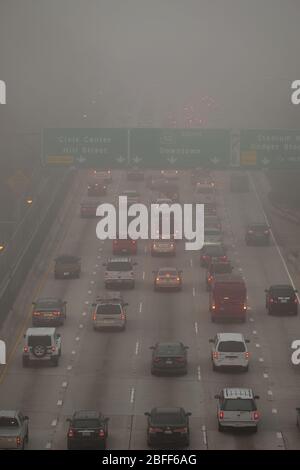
[{"x": 41, "y": 217}]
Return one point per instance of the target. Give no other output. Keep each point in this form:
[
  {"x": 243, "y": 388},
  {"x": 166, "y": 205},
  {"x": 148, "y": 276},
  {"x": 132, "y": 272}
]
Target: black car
[
  {"x": 211, "y": 250},
  {"x": 217, "y": 267},
  {"x": 67, "y": 266},
  {"x": 87, "y": 430},
  {"x": 257, "y": 234},
  {"x": 168, "y": 426},
  {"x": 49, "y": 311},
  {"x": 97, "y": 188},
  {"x": 169, "y": 358},
  {"x": 281, "y": 299}
]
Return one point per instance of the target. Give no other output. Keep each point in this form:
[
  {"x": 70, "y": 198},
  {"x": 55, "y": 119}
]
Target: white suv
[
  {"x": 229, "y": 350},
  {"x": 41, "y": 345},
  {"x": 119, "y": 273},
  {"x": 237, "y": 409}
]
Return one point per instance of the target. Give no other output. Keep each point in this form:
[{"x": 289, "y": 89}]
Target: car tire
[
  {"x": 25, "y": 361},
  {"x": 255, "y": 429},
  {"x": 220, "y": 427},
  {"x": 54, "y": 361},
  {"x": 246, "y": 369}
]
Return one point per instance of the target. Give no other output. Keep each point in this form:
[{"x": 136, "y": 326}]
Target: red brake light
[
  {"x": 296, "y": 300},
  {"x": 177, "y": 279},
  {"x": 101, "y": 433},
  {"x": 53, "y": 348},
  {"x": 180, "y": 359},
  {"x": 25, "y": 349},
  {"x": 94, "y": 316},
  {"x": 19, "y": 441},
  {"x": 152, "y": 430},
  {"x": 213, "y": 306},
  {"x": 221, "y": 414},
  {"x": 122, "y": 316},
  {"x": 215, "y": 355},
  {"x": 247, "y": 355},
  {"x": 182, "y": 430},
  {"x": 245, "y": 307},
  {"x": 256, "y": 415},
  {"x": 71, "y": 433},
  {"x": 56, "y": 314},
  {"x": 157, "y": 279}
]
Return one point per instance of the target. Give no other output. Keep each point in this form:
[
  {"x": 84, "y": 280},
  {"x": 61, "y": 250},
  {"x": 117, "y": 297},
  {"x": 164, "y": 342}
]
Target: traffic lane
[{"x": 275, "y": 333}]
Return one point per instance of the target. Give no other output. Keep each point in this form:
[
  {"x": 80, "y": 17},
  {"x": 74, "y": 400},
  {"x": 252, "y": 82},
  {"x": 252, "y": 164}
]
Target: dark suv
[
  {"x": 168, "y": 426},
  {"x": 281, "y": 299},
  {"x": 169, "y": 358},
  {"x": 49, "y": 311},
  {"x": 87, "y": 430},
  {"x": 257, "y": 234},
  {"x": 67, "y": 266}
]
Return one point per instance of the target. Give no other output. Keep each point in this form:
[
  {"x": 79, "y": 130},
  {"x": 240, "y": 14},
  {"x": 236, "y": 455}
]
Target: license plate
[
  {"x": 283, "y": 301},
  {"x": 86, "y": 433},
  {"x": 169, "y": 361},
  {"x": 168, "y": 432},
  {"x": 108, "y": 321},
  {"x": 47, "y": 315}
]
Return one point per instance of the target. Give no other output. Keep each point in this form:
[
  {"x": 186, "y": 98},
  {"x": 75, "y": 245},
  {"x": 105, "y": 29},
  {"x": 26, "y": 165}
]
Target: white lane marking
[
  {"x": 261, "y": 359},
  {"x": 199, "y": 373},
  {"x": 73, "y": 352},
  {"x": 77, "y": 338},
  {"x": 48, "y": 445},
  {"x": 141, "y": 307},
  {"x": 145, "y": 249},
  {"x": 254, "y": 332},
  {"x": 81, "y": 325},
  {"x": 270, "y": 393},
  {"x": 257, "y": 345},
  {"x": 196, "y": 327},
  {"x": 132, "y": 395},
  {"x": 279, "y": 435},
  {"x": 266, "y": 376},
  {"x": 92, "y": 282},
  {"x": 272, "y": 236},
  {"x": 54, "y": 422},
  {"x": 98, "y": 258},
  {"x": 250, "y": 319},
  {"x": 94, "y": 273},
  {"x": 274, "y": 411},
  {"x": 84, "y": 314},
  {"x": 64, "y": 384},
  {"x": 100, "y": 249},
  {"x": 240, "y": 269},
  {"x": 194, "y": 291},
  {"x": 89, "y": 292},
  {"x": 191, "y": 262},
  {"x": 59, "y": 403},
  {"x": 69, "y": 367},
  {"x": 137, "y": 345},
  {"x": 204, "y": 435},
  {"x": 144, "y": 275},
  {"x": 86, "y": 302}
]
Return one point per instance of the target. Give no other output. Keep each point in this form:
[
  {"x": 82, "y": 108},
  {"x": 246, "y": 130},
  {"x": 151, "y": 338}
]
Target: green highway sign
[
  {"x": 144, "y": 147},
  {"x": 278, "y": 148},
  {"x": 180, "y": 148},
  {"x": 85, "y": 148}
]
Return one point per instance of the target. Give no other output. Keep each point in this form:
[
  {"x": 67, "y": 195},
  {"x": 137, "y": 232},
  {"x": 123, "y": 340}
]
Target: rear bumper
[
  {"x": 92, "y": 444},
  {"x": 116, "y": 325},
  {"x": 283, "y": 309},
  {"x": 168, "y": 370},
  {"x": 167, "y": 287},
  {"x": 55, "y": 321},
  {"x": 165, "y": 439},
  {"x": 122, "y": 283},
  {"x": 238, "y": 424}
]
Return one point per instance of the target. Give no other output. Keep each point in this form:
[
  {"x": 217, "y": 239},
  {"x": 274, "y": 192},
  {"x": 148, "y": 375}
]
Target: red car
[
  {"x": 88, "y": 208},
  {"x": 97, "y": 188},
  {"x": 127, "y": 246},
  {"x": 212, "y": 250},
  {"x": 228, "y": 298}
]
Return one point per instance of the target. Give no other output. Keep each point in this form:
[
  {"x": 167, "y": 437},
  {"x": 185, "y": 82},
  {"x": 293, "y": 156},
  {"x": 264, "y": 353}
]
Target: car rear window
[
  {"x": 165, "y": 419},
  {"x": 6, "y": 422},
  {"x": 109, "y": 309},
  {"x": 170, "y": 350},
  {"x": 231, "y": 346},
  {"x": 119, "y": 266},
  {"x": 47, "y": 306},
  {"x": 37, "y": 340},
  {"x": 239, "y": 404},
  {"x": 282, "y": 292},
  {"x": 230, "y": 289},
  {"x": 213, "y": 250},
  {"x": 86, "y": 423}
]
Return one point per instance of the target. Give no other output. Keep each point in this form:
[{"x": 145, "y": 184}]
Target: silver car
[
  {"x": 109, "y": 312},
  {"x": 13, "y": 430},
  {"x": 229, "y": 350},
  {"x": 237, "y": 409}
]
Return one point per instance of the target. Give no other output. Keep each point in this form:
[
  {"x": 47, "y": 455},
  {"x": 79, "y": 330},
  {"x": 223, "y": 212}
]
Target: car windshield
[
  {"x": 167, "y": 419},
  {"x": 239, "y": 404},
  {"x": 39, "y": 340},
  {"x": 86, "y": 423},
  {"x": 231, "y": 346},
  {"x": 119, "y": 266},
  {"x": 109, "y": 309},
  {"x": 6, "y": 422},
  {"x": 169, "y": 350}
]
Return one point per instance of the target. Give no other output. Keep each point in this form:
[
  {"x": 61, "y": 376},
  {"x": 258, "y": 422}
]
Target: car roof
[
  {"x": 243, "y": 393},
  {"x": 86, "y": 414},
  {"x": 175, "y": 345},
  {"x": 282, "y": 287},
  {"x": 168, "y": 268},
  {"x": 41, "y": 331},
  {"x": 236, "y": 278},
  {"x": 110, "y": 296},
  {"x": 167, "y": 410},
  {"x": 48, "y": 300},
  {"x": 8, "y": 413},
  {"x": 231, "y": 337},
  {"x": 124, "y": 259}
]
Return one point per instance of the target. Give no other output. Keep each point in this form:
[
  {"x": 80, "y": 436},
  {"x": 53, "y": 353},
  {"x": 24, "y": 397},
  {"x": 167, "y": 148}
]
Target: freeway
[{"x": 111, "y": 371}]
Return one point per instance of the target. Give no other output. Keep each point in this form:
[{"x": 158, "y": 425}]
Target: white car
[
  {"x": 170, "y": 174},
  {"x": 229, "y": 350},
  {"x": 119, "y": 273},
  {"x": 237, "y": 409}
]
